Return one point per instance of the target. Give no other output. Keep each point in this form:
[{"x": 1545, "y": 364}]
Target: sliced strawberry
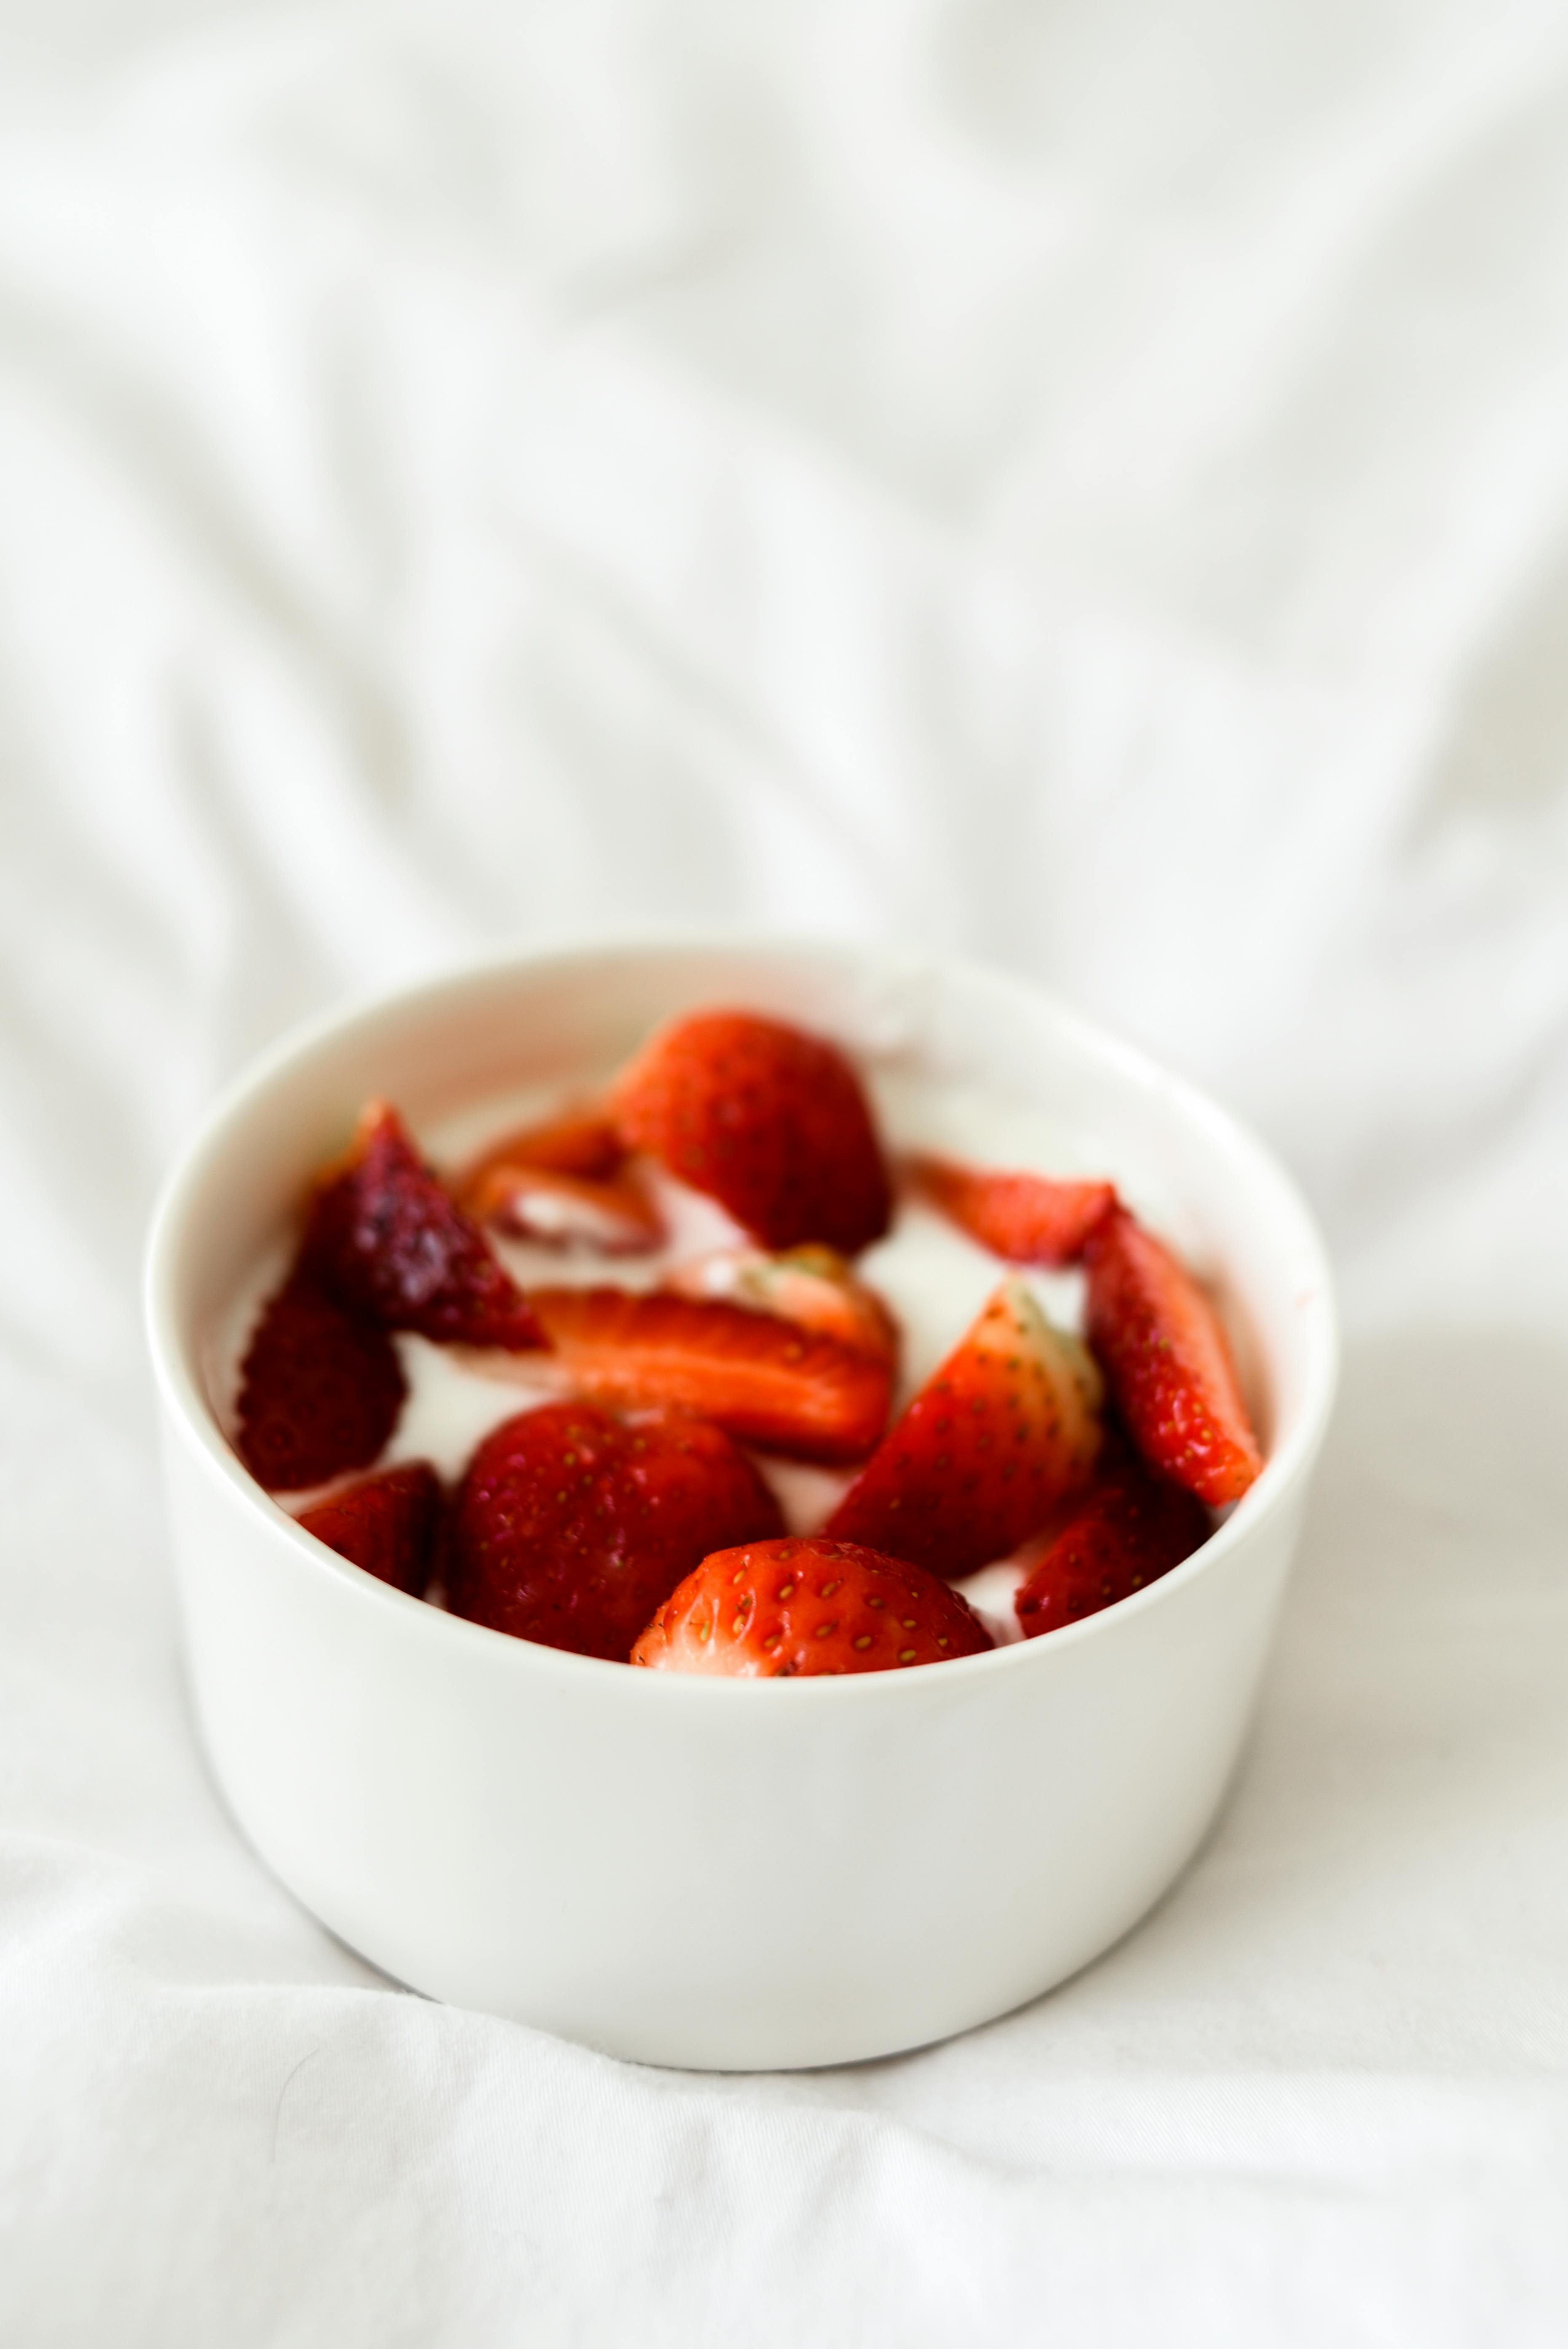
[
  {"x": 811, "y": 1285},
  {"x": 767, "y": 1119},
  {"x": 570, "y": 1527},
  {"x": 612, "y": 1218},
  {"x": 1166, "y": 1362},
  {"x": 387, "y": 1524},
  {"x": 995, "y": 1439},
  {"x": 1027, "y": 1218},
  {"x": 389, "y": 1240},
  {"x": 1131, "y": 1527},
  {"x": 320, "y": 1388},
  {"x": 581, "y": 1141},
  {"x": 771, "y": 1609},
  {"x": 760, "y": 1377}
]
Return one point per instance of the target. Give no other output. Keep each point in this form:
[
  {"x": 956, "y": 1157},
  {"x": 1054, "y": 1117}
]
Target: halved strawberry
[
  {"x": 320, "y": 1388},
  {"x": 389, "y": 1240},
  {"x": 570, "y": 1527},
  {"x": 760, "y": 1377},
  {"x": 1166, "y": 1362},
  {"x": 771, "y": 1609},
  {"x": 1131, "y": 1527},
  {"x": 387, "y": 1524},
  {"x": 1027, "y": 1218},
  {"x": 579, "y": 1141},
  {"x": 767, "y": 1119},
  {"x": 811, "y": 1285},
  {"x": 612, "y": 1218},
  {"x": 995, "y": 1439}
]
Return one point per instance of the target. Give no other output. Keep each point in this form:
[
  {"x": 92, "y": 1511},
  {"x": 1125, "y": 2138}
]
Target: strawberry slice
[
  {"x": 1166, "y": 1362},
  {"x": 1131, "y": 1527},
  {"x": 1027, "y": 1218},
  {"x": 995, "y": 1439},
  {"x": 570, "y": 1527},
  {"x": 389, "y": 1240},
  {"x": 387, "y": 1524},
  {"x": 760, "y": 1377},
  {"x": 767, "y": 1119},
  {"x": 612, "y": 1218},
  {"x": 320, "y": 1388},
  {"x": 771, "y": 1609},
  {"x": 811, "y": 1285},
  {"x": 581, "y": 1141}
]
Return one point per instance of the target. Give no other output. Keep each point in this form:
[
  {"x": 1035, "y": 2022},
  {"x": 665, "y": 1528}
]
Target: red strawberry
[
  {"x": 991, "y": 1443},
  {"x": 811, "y": 1285},
  {"x": 320, "y": 1388},
  {"x": 770, "y": 1121},
  {"x": 614, "y": 1218},
  {"x": 760, "y": 1377},
  {"x": 773, "y": 1609},
  {"x": 581, "y": 1141},
  {"x": 570, "y": 1527},
  {"x": 1166, "y": 1362},
  {"x": 1027, "y": 1218},
  {"x": 1131, "y": 1527},
  {"x": 382, "y": 1233},
  {"x": 387, "y": 1524}
]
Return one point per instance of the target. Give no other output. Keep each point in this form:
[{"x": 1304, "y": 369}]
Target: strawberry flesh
[
  {"x": 582, "y": 1142},
  {"x": 615, "y": 1217},
  {"x": 773, "y": 1610},
  {"x": 571, "y": 1526},
  {"x": 387, "y": 1524},
  {"x": 1026, "y": 1218},
  {"x": 1131, "y": 1527},
  {"x": 320, "y": 1388},
  {"x": 771, "y": 1123},
  {"x": 995, "y": 1439},
  {"x": 1166, "y": 1360},
  {"x": 382, "y": 1233},
  {"x": 812, "y": 1286},
  {"x": 760, "y": 1377}
]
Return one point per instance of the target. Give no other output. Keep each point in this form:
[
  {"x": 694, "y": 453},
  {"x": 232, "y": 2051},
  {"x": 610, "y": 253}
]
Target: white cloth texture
[{"x": 1081, "y": 486}]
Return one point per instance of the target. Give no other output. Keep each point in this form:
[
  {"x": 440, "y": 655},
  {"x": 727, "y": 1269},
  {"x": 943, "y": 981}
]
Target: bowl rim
[{"x": 191, "y": 1416}]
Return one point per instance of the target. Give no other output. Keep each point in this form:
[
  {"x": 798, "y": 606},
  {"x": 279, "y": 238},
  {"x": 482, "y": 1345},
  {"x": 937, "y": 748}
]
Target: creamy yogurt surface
[{"x": 934, "y": 1277}]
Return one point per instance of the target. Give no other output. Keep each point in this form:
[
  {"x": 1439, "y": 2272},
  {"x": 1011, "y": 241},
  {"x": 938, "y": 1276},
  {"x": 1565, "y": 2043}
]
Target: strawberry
[
  {"x": 387, "y": 1239},
  {"x": 811, "y": 1285},
  {"x": 991, "y": 1443},
  {"x": 1131, "y": 1527},
  {"x": 581, "y": 1140},
  {"x": 760, "y": 1377},
  {"x": 1166, "y": 1362},
  {"x": 1027, "y": 1218},
  {"x": 767, "y": 1119},
  {"x": 320, "y": 1388},
  {"x": 387, "y": 1524},
  {"x": 770, "y": 1609},
  {"x": 614, "y": 1218},
  {"x": 570, "y": 1527}
]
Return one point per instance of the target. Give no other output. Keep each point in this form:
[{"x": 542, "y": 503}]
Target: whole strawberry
[
  {"x": 1131, "y": 1527},
  {"x": 383, "y": 1234},
  {"x": 1006, "y": 1429},
  {"x": 387, "y": 1524},
  {"x": 320, "y": 1388},
  {"x": 772, "y": 1609},
  {"x": 768, "y": 1120},
  {"x": 570, "y": 1527},
  {"x": 1166, "y": 1362}
]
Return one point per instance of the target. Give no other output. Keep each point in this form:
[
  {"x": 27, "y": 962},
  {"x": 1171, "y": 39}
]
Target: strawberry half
[
  {"x": 995, "y": 1439},
  {"x": 565, "y": 1185},
  {"x": 570, "y": 1527},
  {"x": 760, "y": 1377},
  {"x": 1027, "y": 1218},
  {"x": 389, "y": 1240},
  {"x": 1132, "y": 1527},
  {"x": 581, "y": 1141},
  {"x": 771, "y": 1609},
  {"x": 387, "y": 1524},
  {"x": 812, "y": 1286},
  {"x": 767, "y": 1119},
  {"x": 320, "y": 1388},
  {"x": 1166, "y": 1362}
]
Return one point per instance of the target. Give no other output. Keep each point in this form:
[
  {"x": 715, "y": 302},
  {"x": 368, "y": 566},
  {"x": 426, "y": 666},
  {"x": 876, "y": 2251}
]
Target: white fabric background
[{"x": 1082, "y": 484}]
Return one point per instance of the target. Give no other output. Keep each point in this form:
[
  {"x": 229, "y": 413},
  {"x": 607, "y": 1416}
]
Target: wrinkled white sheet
[{"x": 1082, "y": 484}]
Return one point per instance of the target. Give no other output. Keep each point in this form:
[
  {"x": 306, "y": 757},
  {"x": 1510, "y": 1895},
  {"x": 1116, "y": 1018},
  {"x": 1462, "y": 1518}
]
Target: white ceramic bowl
[{"x": 731, "y": 1875}]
